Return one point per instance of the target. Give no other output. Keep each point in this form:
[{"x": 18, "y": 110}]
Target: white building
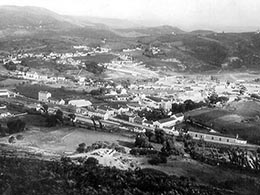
[
  {"x": 4, "y": 93},
  {"x": 218, "y": 138},
  {"x": 168, "y": 122},
  {"x": 44, "y": 96},
  {"x": 80, "y": 103}
]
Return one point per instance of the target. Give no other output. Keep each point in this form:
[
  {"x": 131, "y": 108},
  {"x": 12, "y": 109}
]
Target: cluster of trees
[
  {"x": 10, "y": 66},
  {"x": 53, "y": 120},
  {"x": 153, "y": 115},
  {"x": 33, "y": 176},
  {"x": 209, "y": 52},
  {"x": 94, "y": 67},
  {"x": 187, "y": 105},
  {"x": 214, "y": 98},
  {"x": 82, "y": 147},
  {"x": 215, "y": 154},
  {"x": 15, "y": 126},
  {"x": 144, "y": 147}
]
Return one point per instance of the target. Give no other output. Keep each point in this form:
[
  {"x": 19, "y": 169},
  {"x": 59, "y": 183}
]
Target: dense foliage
[
  {"x": 187, "y": 105},
  {"x": 15, "y": 126},
  {"x": 29, "y": 176}
]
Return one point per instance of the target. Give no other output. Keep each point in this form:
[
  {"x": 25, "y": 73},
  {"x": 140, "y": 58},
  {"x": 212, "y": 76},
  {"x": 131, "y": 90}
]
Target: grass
[
  {"x": 65, "y": 139},
  {"x": 223, "y": 121},
  {"x": 32, "y": 91}
]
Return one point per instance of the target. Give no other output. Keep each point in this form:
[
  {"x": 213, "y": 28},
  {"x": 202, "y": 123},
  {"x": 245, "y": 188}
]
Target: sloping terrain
[{"x": 164, "y": 48}]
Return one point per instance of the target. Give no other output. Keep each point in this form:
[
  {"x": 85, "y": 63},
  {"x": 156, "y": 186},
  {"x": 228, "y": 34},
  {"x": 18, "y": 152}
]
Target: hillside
[
  {"x": 31, "y": 18},
  {"x": 196, "y": 51},
  {"x": 151, "y": 31}
]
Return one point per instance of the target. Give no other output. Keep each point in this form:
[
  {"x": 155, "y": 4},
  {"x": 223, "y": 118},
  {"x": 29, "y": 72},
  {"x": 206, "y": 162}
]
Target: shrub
[
  {"x": 19, "y": 137},
  {"x": 91, "y": 161},
  {"x": 81, "y": 148},
  {"x": 155, "y": 160},
  {"x": 143, "y": 151}
]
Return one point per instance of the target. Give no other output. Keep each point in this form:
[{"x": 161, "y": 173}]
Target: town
[{"x": 133, "y": 97}]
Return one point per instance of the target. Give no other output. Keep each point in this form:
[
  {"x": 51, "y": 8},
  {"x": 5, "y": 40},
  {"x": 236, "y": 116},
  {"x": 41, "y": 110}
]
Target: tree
[
  {"x": 15, "y": 126},
  {"x": 149, "y": 134},
  {"x": 51, "y": 121},
  {"x": 159, "y": 136},
  {"x": 81, "y": 148},
  {"x": 170, "y": 148},
  {"x": 59, "y": 115},
  {"x": 141, "y": 141},
  {"x": 45, "y": 108}
]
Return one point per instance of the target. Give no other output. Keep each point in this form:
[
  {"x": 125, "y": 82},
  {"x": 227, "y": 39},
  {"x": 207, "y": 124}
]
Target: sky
[{"x": 187, "y": 14}]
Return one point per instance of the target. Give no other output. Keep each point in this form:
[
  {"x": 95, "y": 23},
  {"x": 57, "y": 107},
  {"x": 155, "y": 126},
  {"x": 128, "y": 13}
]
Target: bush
[
  {"x": 142, "y": 141},
  {"x": 155, "y": 160},
  {"x": 19, "y": 137},
  {"x": 81, "y": 148},
  {"x": 11, "y": 139},
  {"x": 15, "y": 126},
  {"x": 143, "y": 151},
  {"x": 91, "y": 161}
]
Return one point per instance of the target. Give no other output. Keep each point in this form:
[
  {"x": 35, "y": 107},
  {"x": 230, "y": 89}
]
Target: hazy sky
[{"x": 183, "y": 13}]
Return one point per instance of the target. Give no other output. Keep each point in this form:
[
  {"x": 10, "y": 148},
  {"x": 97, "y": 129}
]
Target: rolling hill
[{"x": 198, "y": 50}]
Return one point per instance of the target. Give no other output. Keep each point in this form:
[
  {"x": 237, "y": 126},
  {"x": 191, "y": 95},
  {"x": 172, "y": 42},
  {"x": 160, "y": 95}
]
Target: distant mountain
[
  {"x": 202, "y": 32},
  {"x": 151, "y": 31},
  {"x": 109, "y": 22},
  {"x": 31, "y": 18}
]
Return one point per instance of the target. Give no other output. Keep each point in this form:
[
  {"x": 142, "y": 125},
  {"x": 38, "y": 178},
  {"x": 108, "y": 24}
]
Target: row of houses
[
  {"x": 168, "y": 123},
  {"x": 216, "y": 137},
  {"x": 38, "y": 77}
]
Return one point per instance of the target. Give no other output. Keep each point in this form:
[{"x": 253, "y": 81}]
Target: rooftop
[
  {"x": 216, "y": 134},
  {"x": 167, "y": 120}
]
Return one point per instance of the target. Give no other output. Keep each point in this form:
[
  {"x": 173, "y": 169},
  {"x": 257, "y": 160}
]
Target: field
[
  {"x": 32, "y": 92},
  {"x": 239, "y": 118},
  {"x": 63, "y": 139}
]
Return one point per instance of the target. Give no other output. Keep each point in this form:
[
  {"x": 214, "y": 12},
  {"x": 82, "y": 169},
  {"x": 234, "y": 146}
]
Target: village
[{"x": 122, "y": 105}]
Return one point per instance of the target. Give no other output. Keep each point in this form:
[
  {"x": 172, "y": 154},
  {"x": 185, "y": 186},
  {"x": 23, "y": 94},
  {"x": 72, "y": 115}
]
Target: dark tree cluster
[
  {"x": 94, "y": 67},
  {"x": 15, "y": 126},
  {"x": 53, "y": 120},
  {"x": 214, "y": 98},
  {"x": 142, "y": 141},
  {"x": 10, "y": 66},
  {"x": 187, "y": 105},
  {"x": 32, "y": 176},
  {"x": 153, "y": 115}
]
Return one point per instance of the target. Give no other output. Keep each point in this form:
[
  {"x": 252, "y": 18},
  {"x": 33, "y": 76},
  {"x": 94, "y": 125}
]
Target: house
[
  {"x": 43, "y": 77},
  {"x": 215, "y": 137},
  {"x": 179, "y": 116},
  {"x": 56, "y": 101},
  {"x": 80, "y": 103},
  {"x": 32, "y": 75},
  {"x": 43, "y": 96},
  {"x": 148, "y": 123},
  {"x": 166, "y": 105},
  {"x": 80, "y": 110},
  {"x": 136, "y": 119},
  {"x": 171, "y": 131},
  {"x": 4, "y": 93},
  {"x": 60, "y": 78},
  {"x": 167, "y": 122},
  {"x": 52, "y": 110},
  {"x": 4, "y": 114},
  {"x": 134, "y": 106},
  {"x": 106, "y": 110},
  {"x": 152, "y": 102}
]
